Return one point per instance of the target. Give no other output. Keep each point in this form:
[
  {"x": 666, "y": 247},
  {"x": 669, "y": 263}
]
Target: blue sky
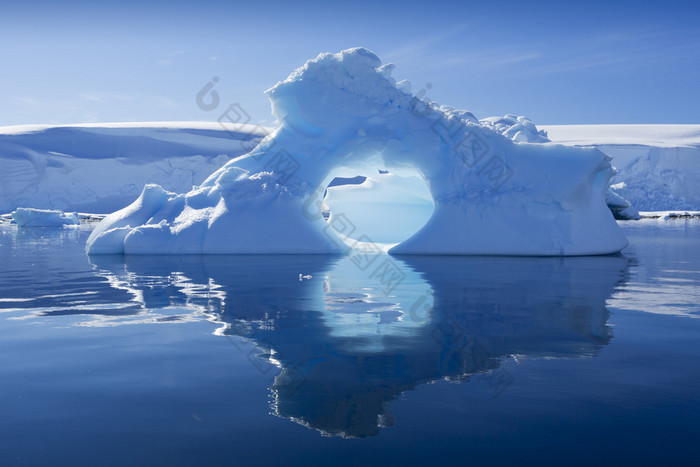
[{"x": 558, "y": 63}]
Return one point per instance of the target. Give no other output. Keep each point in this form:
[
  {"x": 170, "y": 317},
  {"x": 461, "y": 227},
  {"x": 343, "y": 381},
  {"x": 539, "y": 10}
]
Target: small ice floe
[
  {"x": 29, "y": 217},
  {"x": 302, "y": 277},
  {"x": 666, "y": 215},
  {"x": 90, "y": 217}
]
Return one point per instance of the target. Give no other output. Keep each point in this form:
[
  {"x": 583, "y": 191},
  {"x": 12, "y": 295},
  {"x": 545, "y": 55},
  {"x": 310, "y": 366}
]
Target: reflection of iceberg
[
  {"x": 240, "y": 291},
  {"x": 343, "y": 111},
  {"x": 453, "y": 318},
  {"x": 484, "y": 309},
  {"x": 31, "y": 284},
  {"x": 531, "y": 306}
]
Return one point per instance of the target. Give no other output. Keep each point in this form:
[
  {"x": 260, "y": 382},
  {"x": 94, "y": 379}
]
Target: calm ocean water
[{"x": 361, "y": 360}]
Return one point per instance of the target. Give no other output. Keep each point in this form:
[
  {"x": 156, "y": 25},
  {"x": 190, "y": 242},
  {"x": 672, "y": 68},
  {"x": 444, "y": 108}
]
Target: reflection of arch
[
  {"x": 492, "y": 196},
  {"x": 481, "y": 311}
]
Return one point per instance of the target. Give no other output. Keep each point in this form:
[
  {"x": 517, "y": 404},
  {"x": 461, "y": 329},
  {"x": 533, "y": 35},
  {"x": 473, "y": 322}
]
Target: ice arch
[{"x": 491, "y": 195}]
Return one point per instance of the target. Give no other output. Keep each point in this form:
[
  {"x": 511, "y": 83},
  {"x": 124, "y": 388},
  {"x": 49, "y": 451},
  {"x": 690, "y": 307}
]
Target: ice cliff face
[
  {"x": 492, "y": 195},
  {"x": 101, "y": 168}
]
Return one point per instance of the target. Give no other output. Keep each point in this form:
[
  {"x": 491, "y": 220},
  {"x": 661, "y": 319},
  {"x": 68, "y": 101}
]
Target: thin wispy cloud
[
  {"x": 170, "y": 58},
  {"x": 71, "y": 109},
  {"x": 163, "y": 102},
  {"x": 103, "y": 97},
  {"x": 425, "y": 45},
  {"x": 485, "y": 60},
  {"x": 618, "y": 51},
  {"x": 456, "y": 50}
]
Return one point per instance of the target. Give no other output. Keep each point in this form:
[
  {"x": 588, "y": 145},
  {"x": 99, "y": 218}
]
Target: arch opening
[{"x": 371, "y": 202}]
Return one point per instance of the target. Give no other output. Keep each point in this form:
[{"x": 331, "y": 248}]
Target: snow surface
[
  {"x": 100, "y": 168},
  {"x": 339, "y": 112},
  {"x": 29, "y": 217}
]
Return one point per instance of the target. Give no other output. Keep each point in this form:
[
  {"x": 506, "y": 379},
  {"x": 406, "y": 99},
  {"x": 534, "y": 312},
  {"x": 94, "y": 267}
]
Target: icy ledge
[{"x": 493, "y": 196}]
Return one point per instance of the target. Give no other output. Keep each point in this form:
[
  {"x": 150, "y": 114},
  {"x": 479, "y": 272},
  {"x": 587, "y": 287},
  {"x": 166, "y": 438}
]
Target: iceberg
[
  {"x": 339, "y": 112},
  {"x": 29, "y": 217}
]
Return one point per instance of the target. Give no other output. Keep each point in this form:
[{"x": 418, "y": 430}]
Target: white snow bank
[
  {"x": 662, "y": 136},
  {"x": 658, "y": 165},
  {"x": 102, "y": 167},
  {"x": 28, "y": 217},
  {"x": 337, "y": 112},
  {"x": 206, "y": 126}
]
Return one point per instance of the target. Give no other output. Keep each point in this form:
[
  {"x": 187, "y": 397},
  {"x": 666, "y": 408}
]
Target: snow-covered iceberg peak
[{"x": 340, "y": 111}]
